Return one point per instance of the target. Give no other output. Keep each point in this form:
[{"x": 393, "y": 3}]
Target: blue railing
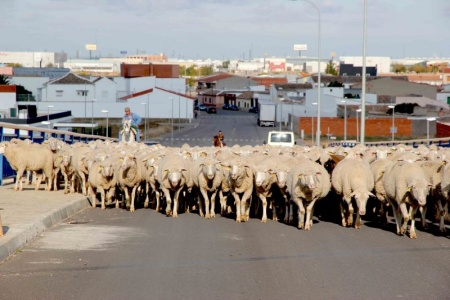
[
  {"x": 441, "y": 142},
  {"x": 9, "y": 131}
]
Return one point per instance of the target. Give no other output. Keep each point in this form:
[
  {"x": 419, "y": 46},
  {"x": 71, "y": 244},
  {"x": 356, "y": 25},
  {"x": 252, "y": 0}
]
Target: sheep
[
  {"x": 207, "y": 177},
  {"x": 102, "y": 180},
  {"x": 241, "y": 187},
  {"x": 265, "y": 178},
  {"x": 405, "y": 184},
  {"x": 352, "y": 178},
  {"x": 445, "y": 189},
  {"x": 79, "y": 160},
  {"x": 433, "y": 174},
  {"x": 308, "y": 182},
  {"x": 29, "y": 157},
  {"x": 130, "y": 175},
  {"x": 173, "y": 175},
  {"x": 68, "y": 171},
  {"x": 378, "y": 167}
]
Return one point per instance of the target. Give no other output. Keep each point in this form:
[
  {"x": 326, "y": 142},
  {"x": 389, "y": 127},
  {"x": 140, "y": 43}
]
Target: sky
[{"x": 227, "y": 29}]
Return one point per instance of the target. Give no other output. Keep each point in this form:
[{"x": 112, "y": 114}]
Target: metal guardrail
[
  {"x": 9, "y": 131},
  {"x": 441, "y": 142}
]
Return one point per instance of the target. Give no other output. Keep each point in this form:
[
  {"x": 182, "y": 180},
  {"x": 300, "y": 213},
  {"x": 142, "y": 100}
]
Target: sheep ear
[
  {"x": 409, "y": 188},
  {"x": 100, "y": 168},
  {"x": 300, "y": 176}
]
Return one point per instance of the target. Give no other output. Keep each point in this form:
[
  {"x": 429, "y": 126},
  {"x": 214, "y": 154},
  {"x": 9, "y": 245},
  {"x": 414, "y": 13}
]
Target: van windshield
[{"x": 281, "y": 138}]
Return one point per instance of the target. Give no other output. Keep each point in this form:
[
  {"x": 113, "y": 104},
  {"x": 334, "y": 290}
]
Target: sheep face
[
  {"x": 209, "y": 171},
  {"x": 67, "y": 158},
  {"x": 282, "y": 177},
  {"x": 260, "y": 177},
  {"x": 107, "y": 169},
  {"x": 361, "y": 198},
  {"x": 308, "y": 180},
  {"x": 419, "y": 191},
  {"x": 236, "y": 171},
  {"x": 174, "y": 178},
  {"x": 128, "y": 162}
]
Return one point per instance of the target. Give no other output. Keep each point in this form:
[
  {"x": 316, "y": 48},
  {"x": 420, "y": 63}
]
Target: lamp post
[
  {"x": 48, "y": 115},
  {"x": 319, "y": 96},
  {"x": 280, "y": 98},
  {"x": 393, "y": 121},
  {"x": 312, "y": 125},
  {"x": 145, "y": 121},
  {"x": 179, "y": 109},
  {"x": 171, "y": 99},
  {"x": 106, "y": 111},
  {"x": 357, "y": 124},
  {"x": 92, "y": 116},
  {"x": 345, "y": 119},
  {"x": 428, "y": 128}
]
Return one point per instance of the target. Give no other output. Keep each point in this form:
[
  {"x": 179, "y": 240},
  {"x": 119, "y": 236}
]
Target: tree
[
  {"x": 5, "y": 80},
  {"x": 331, "y": 69},
  {"x": 399, "y": 68}
]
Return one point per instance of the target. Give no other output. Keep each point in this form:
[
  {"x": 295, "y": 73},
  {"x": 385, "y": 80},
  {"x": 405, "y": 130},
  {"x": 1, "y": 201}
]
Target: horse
[{"x": 128, "y": 133}]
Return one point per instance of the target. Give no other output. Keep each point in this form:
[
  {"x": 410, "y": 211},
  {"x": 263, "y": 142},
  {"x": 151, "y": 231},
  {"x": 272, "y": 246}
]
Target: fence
[{"x": 9, "y": 131}]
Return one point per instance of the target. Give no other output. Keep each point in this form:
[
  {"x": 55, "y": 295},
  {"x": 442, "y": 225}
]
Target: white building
[
  {"x": 383, "y": 64},
  {"x": 28, "y": 59}
]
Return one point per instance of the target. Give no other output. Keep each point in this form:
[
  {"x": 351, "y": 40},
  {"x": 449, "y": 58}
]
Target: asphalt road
[{"x": 115, "y": 254}]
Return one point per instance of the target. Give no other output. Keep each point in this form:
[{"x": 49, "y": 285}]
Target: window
[
  {"x": 59, "y": 93},
  {"x": 82, "y": 92}
]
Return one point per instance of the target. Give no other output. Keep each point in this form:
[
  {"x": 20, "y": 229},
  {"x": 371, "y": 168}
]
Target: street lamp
[
  {"x": 312, "y": 125},
  {"x": 345, "y": 119},
  {"x": 428, "y": 128},
  {"x": 393, "y": 121},
  {"x": 281, "y": 106},
  {"x": 319, "y": 96},
  {"x": 106, "y": 111},
  {"x": 357, "y": 124},
  {"x": 145, "y": 121},
  {"x": 92, "y": 116},
  {"x": 171, "y": 99},
  {"x": 48, "y": 115}
]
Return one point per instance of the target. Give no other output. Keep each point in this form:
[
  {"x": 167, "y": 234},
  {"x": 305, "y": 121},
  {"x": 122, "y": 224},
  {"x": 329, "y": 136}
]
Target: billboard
[
  {"x": 300, "y": 47},
  {"x": 91, "y": 47}
]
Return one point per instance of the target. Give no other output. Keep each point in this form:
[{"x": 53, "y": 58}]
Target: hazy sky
[{"x": 226, "y": 29}]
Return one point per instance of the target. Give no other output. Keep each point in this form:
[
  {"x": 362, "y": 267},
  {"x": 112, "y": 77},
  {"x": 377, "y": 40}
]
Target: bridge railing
[
  {"x": 9, "y": 131},
  {"x": 441, "y": 142}
]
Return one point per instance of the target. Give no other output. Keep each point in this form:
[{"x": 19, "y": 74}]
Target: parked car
[
  {"x": 253, "y": 109},
  {"x": 211, "y": 110},
  {"x": 226, "y": 107},
  {"x": 233, "y": 107},
  {"x": 202, "y": 107}
]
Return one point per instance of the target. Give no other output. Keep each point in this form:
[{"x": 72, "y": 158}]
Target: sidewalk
[{"x": 28, "y": 213}]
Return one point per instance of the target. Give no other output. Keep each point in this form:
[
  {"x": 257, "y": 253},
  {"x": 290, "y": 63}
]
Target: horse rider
[
  {"x": 135, "y": 122},
  {"x": 221, "y": 138}
]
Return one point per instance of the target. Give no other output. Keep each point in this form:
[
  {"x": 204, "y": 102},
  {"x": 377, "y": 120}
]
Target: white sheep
[
  {"x": 102, "y": 180},
  {"x": 241, "y": 187},
  {"x": 352, "y": 178},
  {"x": 264, "y": 180},
  {"x": 308, "y": 182},
  {"x": 130, "y": 175},
  {"x": 207, "y": 177},
  {"x": 29, "y": 157},
  {"x": 173, "y": 175},
  {"x": 406, "y": 185}
]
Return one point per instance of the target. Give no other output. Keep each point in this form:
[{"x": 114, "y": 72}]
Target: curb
[{"x": 11, "y": 243}]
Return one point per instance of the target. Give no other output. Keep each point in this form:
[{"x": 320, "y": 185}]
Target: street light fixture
[
  {"x": 345, "y": 119},
  {"x": 48, "y": 116},
  {"x": 106, "y": 111},
  {"x": 357, "y": 124},
  {"x": 428, "y": 128},
  {"x": 393, "y": 121},
  {"x": 145, "y": 121}
]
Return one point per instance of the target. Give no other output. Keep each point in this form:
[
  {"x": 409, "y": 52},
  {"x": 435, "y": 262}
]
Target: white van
[{"x": 281, "y": 138}]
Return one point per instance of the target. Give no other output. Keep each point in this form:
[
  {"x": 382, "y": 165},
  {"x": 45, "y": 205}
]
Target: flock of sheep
[{"x": 400, "y": 178}]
